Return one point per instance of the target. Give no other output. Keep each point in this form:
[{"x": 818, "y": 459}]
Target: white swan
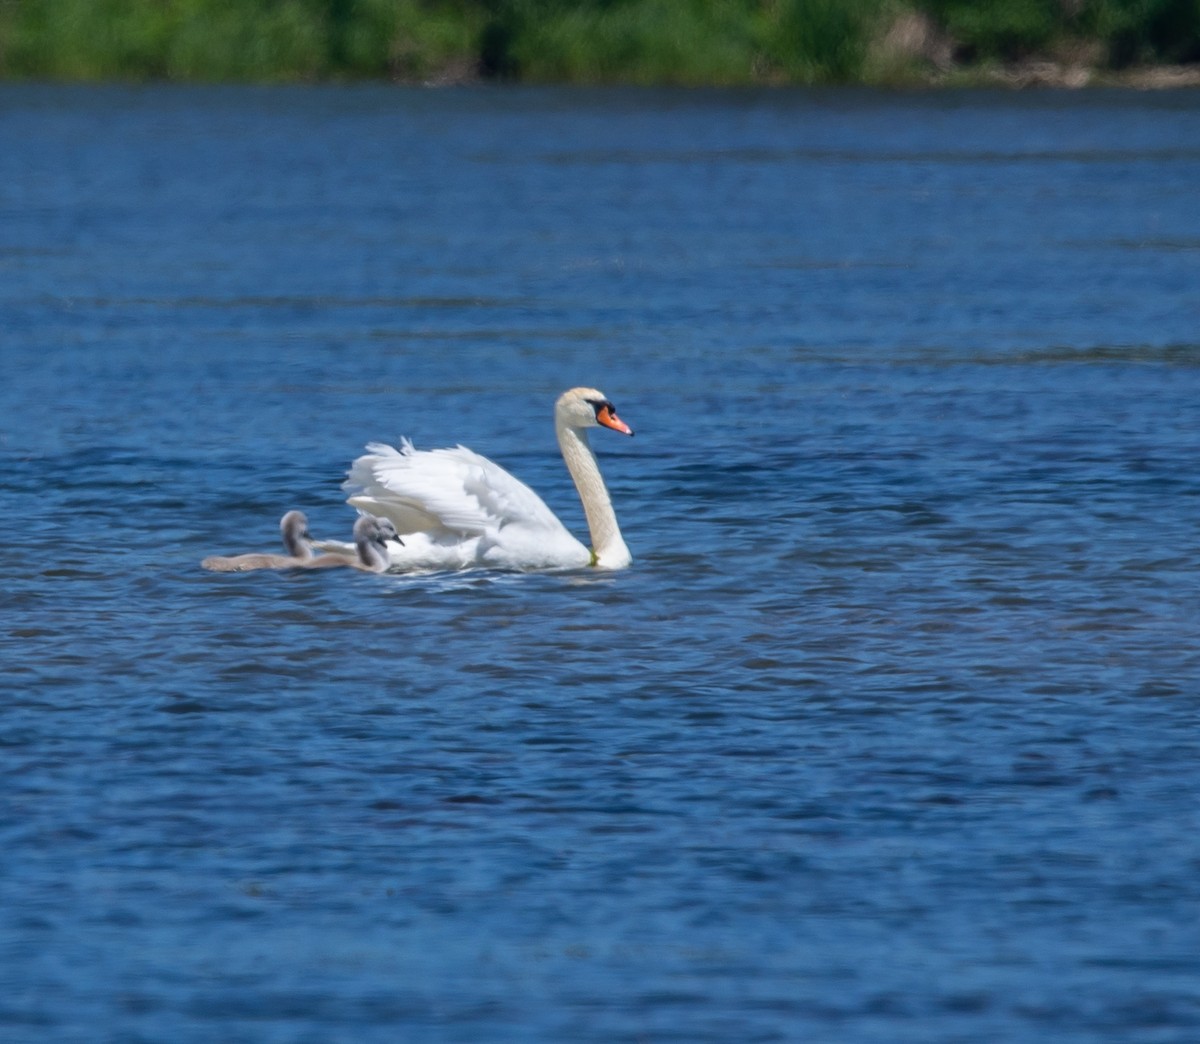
[
  {"x": 456, "y": 509},
  {"x": 293, "y": 527},
  {"x": 370, "y": 546}
]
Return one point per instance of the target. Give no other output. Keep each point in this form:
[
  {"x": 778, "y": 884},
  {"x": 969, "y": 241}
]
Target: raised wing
[{"x": 444, "y": 489}]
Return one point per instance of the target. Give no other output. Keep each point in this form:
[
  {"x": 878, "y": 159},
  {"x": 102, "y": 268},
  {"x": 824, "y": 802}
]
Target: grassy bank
[{"x": 589, "y": 41}]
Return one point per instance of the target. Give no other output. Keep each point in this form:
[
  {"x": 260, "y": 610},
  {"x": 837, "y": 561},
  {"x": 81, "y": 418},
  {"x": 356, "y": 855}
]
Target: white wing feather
[
  {"x": 469, "y": 509},
  {"x": 454, "y": 489}
]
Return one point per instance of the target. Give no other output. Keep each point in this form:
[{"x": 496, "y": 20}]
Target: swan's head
[
  {"x": 371, "y": 535},
  {"x": 293, "y": 527},
  {"x": 588, "y": 408},
  {"x": 387, "y": 531},
  {"x": 375, "y": 530}
]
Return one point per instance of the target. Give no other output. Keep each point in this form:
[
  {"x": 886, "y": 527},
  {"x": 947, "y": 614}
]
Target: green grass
[
  {"x": 682, "y": 41},
  {"x": 585, "y": 41},
  {"x": 233, "y": 40},
  {"x": 1125, "y": 31}
]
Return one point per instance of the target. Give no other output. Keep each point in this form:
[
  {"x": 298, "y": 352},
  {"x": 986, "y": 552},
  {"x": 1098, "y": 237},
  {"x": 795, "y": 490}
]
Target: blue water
[{"x": 889, "y": 735}]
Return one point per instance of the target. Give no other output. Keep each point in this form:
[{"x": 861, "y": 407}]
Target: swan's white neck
[{"x": 608, "y": 547}]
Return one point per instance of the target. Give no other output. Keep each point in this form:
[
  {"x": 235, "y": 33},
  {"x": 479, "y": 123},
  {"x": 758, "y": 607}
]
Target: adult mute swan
[
  {"x": 456, "y": 509},
  {"x": 297, "y": 542}
]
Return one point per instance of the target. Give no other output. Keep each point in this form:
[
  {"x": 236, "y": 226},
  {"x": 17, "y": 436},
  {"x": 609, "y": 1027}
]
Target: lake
[{"x": 890, "y": 733}]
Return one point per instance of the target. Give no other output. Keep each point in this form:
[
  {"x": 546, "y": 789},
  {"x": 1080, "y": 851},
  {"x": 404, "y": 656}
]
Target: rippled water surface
[{"x": 890, "y": 733}]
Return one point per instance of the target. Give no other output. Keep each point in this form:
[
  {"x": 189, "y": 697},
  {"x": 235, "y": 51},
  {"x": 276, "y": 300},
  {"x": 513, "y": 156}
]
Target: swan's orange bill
[{"x": 607, "y": 416}]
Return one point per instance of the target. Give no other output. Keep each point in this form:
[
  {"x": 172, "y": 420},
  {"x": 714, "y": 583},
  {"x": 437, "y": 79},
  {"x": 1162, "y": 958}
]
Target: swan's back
[
  {"x": 293, "y": 529},
  {"x": 456, "y": 490},
  {"x": 248, "y": 563}
]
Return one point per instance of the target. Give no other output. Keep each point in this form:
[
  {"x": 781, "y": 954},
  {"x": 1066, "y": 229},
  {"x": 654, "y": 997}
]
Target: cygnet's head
[
  {"x": 371, "y": 536},
  {"x": 297, "y": 541},
  {"x": 376, "y": 529}
]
